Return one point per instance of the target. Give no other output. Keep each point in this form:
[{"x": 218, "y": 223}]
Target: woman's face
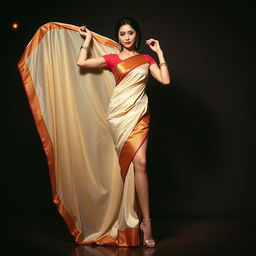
[{"x": 127, "y": 36}]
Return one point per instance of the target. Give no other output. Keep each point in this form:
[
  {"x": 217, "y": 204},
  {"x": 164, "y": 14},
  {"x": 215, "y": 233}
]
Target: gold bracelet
[
  {"x": 84, "y": 47},
  {"x": 163, "y": 64}
]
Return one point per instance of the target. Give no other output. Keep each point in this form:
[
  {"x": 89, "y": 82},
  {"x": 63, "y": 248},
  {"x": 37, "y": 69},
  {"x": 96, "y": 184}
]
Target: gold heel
[{"x": 146, "y": 243}]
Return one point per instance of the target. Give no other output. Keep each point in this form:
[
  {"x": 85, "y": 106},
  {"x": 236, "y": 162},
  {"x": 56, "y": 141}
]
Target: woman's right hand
[{"x": 85, "y": 32}]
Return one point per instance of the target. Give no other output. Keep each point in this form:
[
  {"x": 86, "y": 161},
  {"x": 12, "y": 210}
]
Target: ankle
[{"x": 146, "y": 220}]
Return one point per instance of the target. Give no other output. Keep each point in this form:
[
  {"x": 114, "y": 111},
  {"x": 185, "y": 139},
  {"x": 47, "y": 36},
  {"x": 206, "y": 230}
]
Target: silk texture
[{"x": 91, "y": 124}]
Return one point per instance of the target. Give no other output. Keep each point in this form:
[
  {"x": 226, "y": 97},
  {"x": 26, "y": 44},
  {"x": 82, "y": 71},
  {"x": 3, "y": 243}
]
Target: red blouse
[{"x": 113, "y": 59}]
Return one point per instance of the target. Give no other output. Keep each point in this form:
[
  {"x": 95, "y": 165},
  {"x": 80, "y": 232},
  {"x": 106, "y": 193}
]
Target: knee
[{"x": 140, "y": 163}]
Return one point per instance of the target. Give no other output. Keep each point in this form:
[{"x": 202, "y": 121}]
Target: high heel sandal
[{"x": 149, "y": 242}]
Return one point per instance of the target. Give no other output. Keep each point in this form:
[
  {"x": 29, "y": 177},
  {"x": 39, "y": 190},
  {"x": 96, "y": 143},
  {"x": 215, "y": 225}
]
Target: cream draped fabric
[{"x": 91, "y": 125}]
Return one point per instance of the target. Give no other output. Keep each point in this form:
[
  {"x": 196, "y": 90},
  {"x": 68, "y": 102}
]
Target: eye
[
  {"x": 122, "y": 34},
  {"x": 131, "y": 33}
]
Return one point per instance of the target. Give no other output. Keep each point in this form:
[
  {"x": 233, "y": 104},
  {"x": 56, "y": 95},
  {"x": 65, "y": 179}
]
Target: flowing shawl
[{"x": 91, "y": 124}]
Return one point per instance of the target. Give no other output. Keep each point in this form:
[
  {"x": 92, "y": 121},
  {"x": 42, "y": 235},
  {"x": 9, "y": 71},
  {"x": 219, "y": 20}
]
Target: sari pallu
[{"x": 88, "y": 136}]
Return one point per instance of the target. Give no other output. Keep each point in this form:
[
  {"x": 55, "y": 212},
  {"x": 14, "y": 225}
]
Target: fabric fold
[{"x": 90, "y": 130}]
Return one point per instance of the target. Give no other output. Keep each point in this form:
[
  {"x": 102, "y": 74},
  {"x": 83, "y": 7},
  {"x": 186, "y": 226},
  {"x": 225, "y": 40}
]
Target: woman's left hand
[{"x": 153, "y": 44}]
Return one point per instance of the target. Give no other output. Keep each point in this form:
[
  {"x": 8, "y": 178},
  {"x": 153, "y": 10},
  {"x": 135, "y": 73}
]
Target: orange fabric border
[
  {"x": 125, "y": 238},
  {"x": 133, "y": 143},
  {"x": 128, "y": 237},
  {"x": 52, "y": 25},
  {"x": 122, "y": 68},
  {"x": 43, "y": 132}
]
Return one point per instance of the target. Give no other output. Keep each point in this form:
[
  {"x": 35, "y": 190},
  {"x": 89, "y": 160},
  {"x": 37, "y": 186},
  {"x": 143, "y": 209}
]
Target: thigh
[{"x": 141, "y": 153}]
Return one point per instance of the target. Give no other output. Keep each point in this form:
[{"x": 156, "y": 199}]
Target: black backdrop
[{"x": 201, "y": 152}]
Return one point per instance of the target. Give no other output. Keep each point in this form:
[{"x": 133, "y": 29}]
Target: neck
[{"x": 126, "y": 51}]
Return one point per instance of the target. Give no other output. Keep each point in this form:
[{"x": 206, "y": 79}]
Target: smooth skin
[{"x": 127, "y": 38}]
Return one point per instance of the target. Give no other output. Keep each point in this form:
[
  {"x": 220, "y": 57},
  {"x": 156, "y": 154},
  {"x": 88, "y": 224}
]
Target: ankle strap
[{"x": 149, "y": 220}]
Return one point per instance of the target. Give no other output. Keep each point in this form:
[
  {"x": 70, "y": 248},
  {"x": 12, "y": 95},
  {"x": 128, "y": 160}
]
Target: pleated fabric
[{"x": 91, "y": 124}]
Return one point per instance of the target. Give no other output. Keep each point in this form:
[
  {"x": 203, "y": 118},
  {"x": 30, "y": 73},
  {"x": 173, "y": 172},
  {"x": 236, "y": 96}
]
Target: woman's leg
[{"x": 141, "y": 185}]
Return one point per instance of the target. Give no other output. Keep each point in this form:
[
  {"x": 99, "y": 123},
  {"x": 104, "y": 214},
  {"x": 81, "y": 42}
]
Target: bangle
[
  {"x": 163, "y": 64},
  {"x": 84, "y": 47}
]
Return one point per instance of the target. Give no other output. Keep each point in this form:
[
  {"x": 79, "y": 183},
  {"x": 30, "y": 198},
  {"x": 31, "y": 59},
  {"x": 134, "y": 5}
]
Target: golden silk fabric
[{"x": 90, "y": 128}]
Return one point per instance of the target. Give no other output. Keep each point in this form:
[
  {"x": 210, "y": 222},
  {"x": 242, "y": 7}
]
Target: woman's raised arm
[
  {"x": 82, "y": 60},
  {"x": 161, "y": 72}
]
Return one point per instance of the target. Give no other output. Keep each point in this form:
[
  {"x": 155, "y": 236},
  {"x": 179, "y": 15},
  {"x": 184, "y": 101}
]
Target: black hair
[{"x": 134, "y": 24}]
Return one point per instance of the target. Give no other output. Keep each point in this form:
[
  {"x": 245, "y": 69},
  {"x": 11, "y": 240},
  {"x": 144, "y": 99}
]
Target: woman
[
  {"x": 129, "y": 104},
  {"x": 93, "y": 127}
]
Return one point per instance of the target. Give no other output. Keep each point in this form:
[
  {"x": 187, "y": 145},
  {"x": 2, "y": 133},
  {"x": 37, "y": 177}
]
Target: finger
[
  {"x": 83, "y": 28},
  {"x": 151, "y": 43},
  {"x": 149, "y": 40},
  {"x": 87, "y": 30}
]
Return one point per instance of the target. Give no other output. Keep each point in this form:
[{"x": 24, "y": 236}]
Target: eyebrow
[{"x": 127, "y": 31}]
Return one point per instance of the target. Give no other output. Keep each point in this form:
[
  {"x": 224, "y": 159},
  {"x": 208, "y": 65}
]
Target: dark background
[{"x": 201, "y": 152}]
